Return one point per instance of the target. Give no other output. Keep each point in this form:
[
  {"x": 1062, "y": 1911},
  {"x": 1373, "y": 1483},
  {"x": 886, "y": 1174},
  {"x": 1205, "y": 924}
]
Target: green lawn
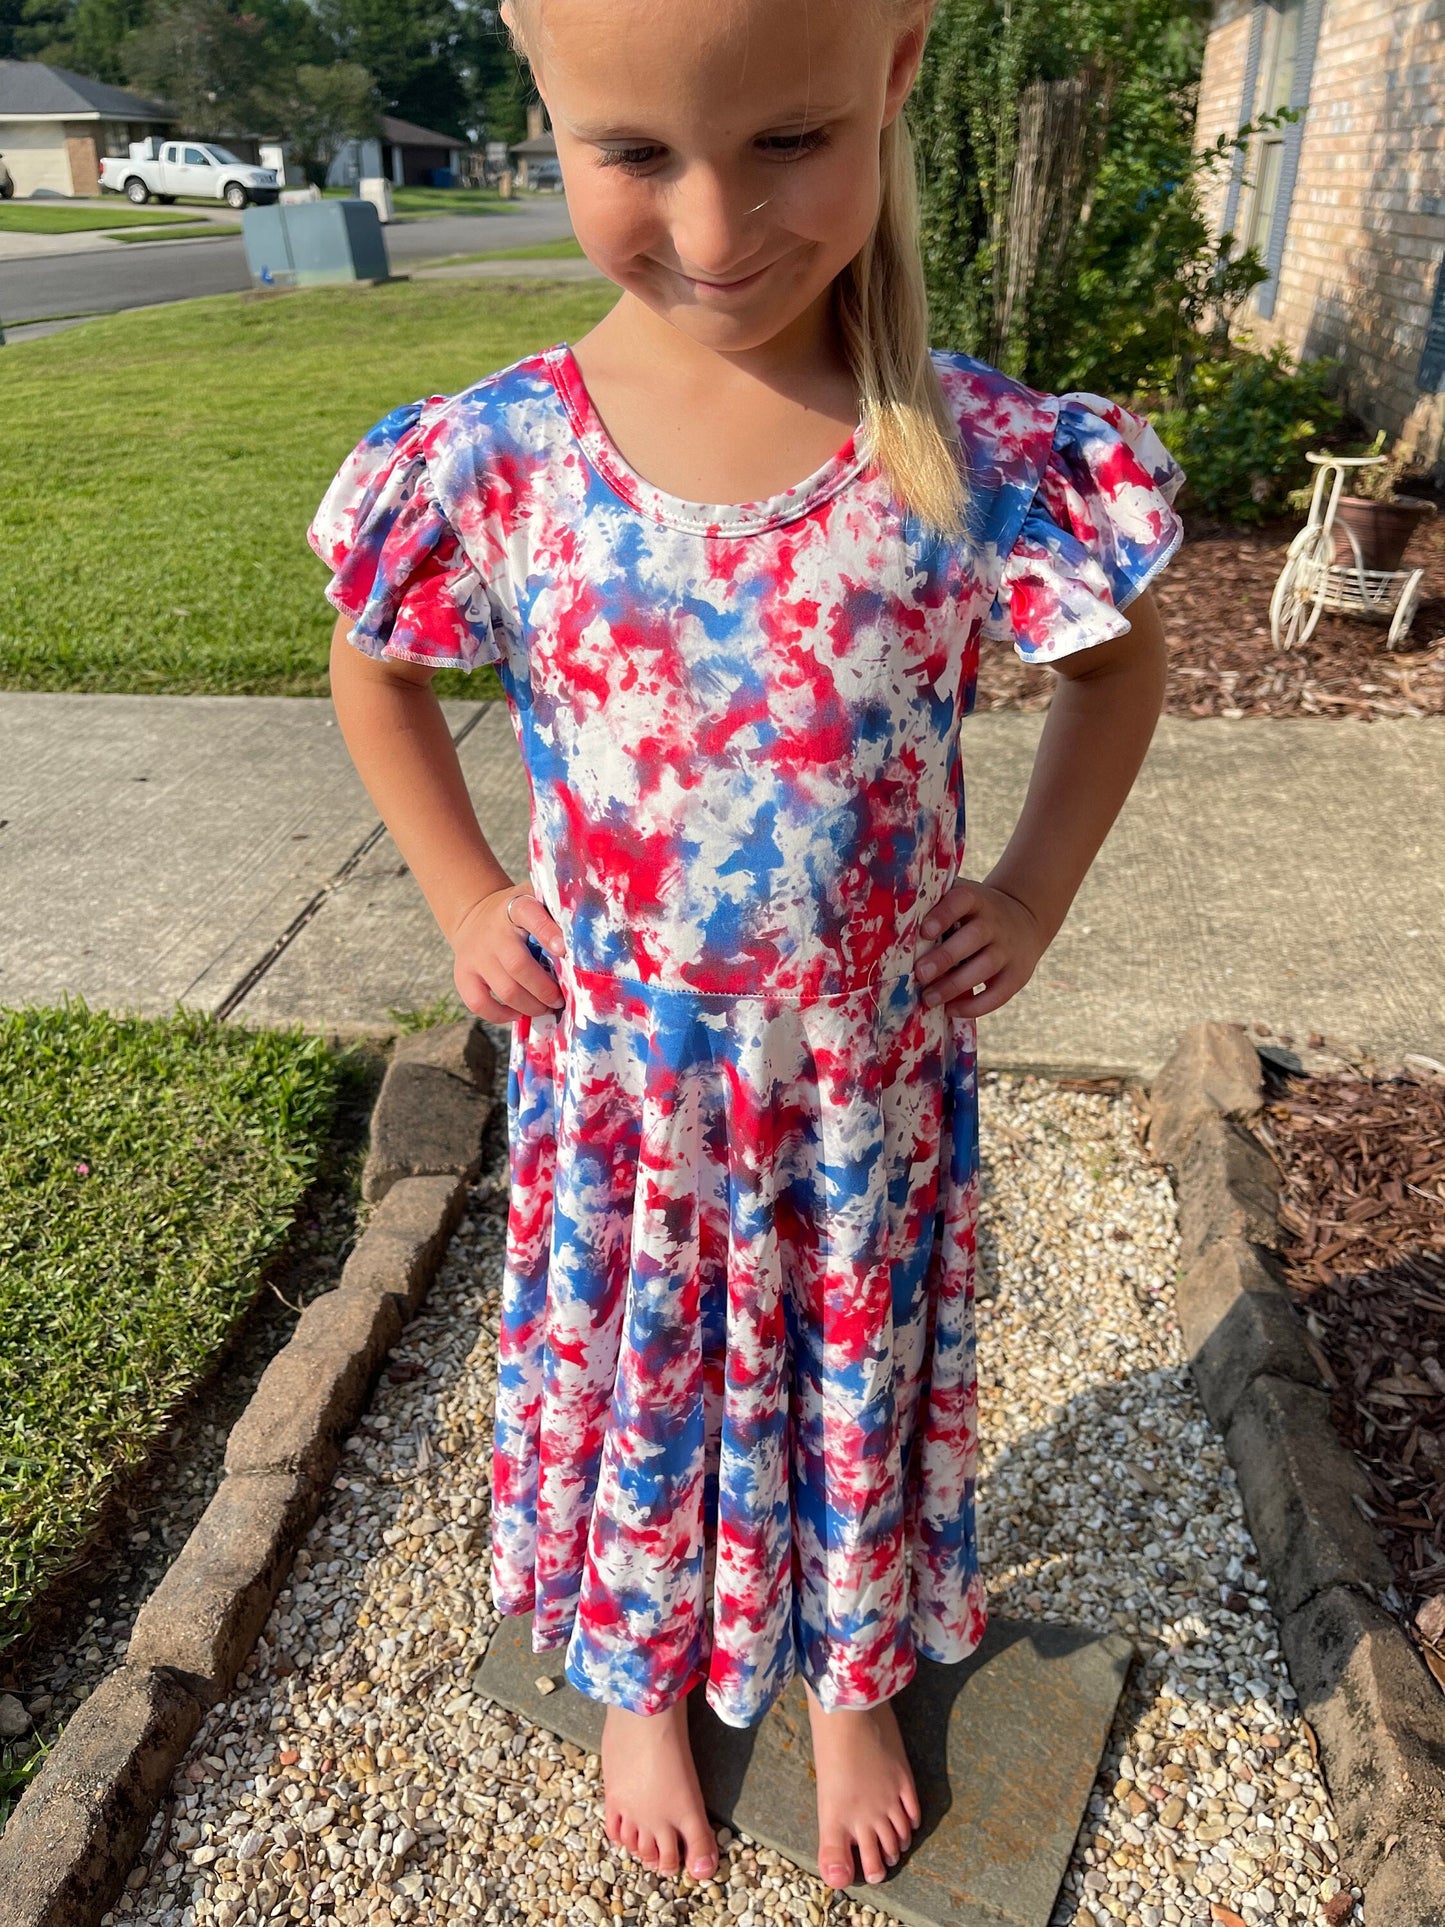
[
  {"x": 565, "y": 249},
  {"x": 158, "y": 470},
  {"x": 411, "y": 201},
  {"x": 148, "y": 1169},
  {"x": 24, "y": 217},
  {"x": 202, "y": 231}
]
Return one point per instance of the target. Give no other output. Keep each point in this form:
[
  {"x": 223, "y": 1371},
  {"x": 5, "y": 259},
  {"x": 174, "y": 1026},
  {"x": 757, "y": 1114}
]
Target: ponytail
[{"x": 882, "y": 309}]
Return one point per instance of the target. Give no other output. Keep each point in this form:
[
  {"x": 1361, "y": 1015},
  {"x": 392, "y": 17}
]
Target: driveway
[{"x": 140, "y": 274}]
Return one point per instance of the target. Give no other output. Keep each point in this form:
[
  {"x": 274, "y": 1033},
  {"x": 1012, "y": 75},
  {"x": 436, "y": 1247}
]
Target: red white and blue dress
[{"x": 735, "y": 1424}]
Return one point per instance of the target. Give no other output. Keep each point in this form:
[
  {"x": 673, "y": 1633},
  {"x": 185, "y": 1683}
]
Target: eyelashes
[{"x": 784, "y": 147}]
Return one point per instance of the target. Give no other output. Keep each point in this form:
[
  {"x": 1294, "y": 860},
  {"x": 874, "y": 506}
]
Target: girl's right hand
[{"x": 496, "y": 975}]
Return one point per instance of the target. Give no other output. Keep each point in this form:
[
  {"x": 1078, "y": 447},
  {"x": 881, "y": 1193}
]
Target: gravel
[{"x": 354, "y": 1776}]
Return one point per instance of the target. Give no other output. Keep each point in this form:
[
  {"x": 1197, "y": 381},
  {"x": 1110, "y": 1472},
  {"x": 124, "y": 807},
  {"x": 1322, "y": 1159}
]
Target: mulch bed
[
  {"x": 1214, "y": 598},
  {"x": 1363, "y": 1200}
]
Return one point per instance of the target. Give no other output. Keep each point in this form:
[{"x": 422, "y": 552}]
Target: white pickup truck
[{"x": 199, "y": 169}]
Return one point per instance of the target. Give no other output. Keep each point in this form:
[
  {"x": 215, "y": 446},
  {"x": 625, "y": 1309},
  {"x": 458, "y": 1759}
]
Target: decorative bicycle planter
[{"x": 1312, "y": 580}]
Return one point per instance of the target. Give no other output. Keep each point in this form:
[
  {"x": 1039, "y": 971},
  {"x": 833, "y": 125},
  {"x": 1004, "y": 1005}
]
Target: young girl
[{"x": 732, "y": 553}]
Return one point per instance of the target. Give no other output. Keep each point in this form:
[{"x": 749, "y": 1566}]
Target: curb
[
  {"x": 1376, "y": 1715},
  {"x": 72, "y": 1840}
]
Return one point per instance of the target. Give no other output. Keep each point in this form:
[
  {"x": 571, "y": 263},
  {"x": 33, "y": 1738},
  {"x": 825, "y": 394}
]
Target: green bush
[{"x": 1243, "y": 430}]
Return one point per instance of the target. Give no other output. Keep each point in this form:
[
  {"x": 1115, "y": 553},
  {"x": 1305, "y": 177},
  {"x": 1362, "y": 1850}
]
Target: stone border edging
[
  {"x": 73, "y": 1838},
  {"x": 1377, "y": 1716}
]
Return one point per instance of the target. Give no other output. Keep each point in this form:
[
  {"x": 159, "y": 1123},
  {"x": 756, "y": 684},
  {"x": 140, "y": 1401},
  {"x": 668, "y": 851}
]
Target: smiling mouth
[{"x": 726, "y": 287}]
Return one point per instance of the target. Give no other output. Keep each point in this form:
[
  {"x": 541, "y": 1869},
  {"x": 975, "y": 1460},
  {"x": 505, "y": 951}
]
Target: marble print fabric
[{"x": 735, "y": 1425}]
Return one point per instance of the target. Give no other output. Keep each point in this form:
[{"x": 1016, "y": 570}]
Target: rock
[
  {"x": 1408, "y": 1886},
  {"x": 1299, "y": 1485},
  {"x": 204, "y": 1617},
  {"x": 1379, "y": 1719},
  {"x": 1216, "y": 1071},
  {"x": 1238, "y": 1322},
  {"x": 14, "y": 1720},
  {"x": 432, "y": 1109},
  {"x": 1228, "y": 1187},
  {"x": 70, "y": 1843},
  {"x": 405, "y": 1238}
]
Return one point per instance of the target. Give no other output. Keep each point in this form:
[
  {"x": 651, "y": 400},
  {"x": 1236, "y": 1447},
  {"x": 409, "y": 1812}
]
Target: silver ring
[{"x": 510, "y": 901}]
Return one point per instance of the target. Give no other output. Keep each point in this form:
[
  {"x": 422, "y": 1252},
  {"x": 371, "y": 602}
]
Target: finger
[
  {"x": 977, "y": 970},
  {"x": 952, "y": 906},
  {"x": 530, "y": 913},
  {"x": 1008, "y": 983},
  {"x": 962, "y": 943},
  {"x": 530, "y": 975},
  {"x": 507, "y": 990},
  {"x": 476, "y": 996}
]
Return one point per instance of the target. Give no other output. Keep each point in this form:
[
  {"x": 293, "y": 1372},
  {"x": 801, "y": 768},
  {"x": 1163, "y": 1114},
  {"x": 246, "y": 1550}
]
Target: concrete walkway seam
[
  {"x": 1375, "y": 1714},
  {"x": 72, "y": 1840}
]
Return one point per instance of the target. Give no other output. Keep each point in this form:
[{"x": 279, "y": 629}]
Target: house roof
[
  {"x": 538, "y": 147},
  {"x": 29, "y": 89},
  {"x": 406, "y": 133}
]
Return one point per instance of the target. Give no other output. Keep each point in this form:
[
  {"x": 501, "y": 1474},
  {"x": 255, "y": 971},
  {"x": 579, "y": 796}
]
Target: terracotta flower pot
[{"x": 1382, "y": 529}]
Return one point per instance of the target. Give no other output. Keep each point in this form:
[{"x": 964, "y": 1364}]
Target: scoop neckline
[{"x": 699, "y": 518}]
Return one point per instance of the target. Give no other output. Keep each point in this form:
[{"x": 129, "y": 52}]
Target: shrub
[{"x": 1242, "y": 432}]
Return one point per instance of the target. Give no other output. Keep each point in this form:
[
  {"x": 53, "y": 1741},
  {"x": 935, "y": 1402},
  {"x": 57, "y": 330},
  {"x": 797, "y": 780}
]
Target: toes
[
  {"x": 871, "y": 1853},
  {"x": 667, "y": 1861},
  {"x": 701, "y": 1850},
  {"x": 901, "y": 1828},
  {"x": 835, "y": 1860},
  {"x": 647, "y": 1849}
]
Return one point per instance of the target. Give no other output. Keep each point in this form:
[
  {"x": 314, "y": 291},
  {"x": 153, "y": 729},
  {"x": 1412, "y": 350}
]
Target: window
[
  {"x": 195, "y": 158},
  {"x": 224, "y": 156},
  {"x": 1277, "y": 65},
  {"x": 171, "y": 154}
]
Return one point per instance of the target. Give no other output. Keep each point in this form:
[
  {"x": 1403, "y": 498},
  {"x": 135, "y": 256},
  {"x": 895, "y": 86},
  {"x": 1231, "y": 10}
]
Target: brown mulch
[
  {"x": 1214, "y": 598},
  {"x": 1363, "y": 1199}
]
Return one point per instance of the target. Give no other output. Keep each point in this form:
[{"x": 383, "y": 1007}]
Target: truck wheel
[
  {"x": 136, "y": 191},
  {"x": 7, "y": 193},
  {"x": 236, "y": 195}
]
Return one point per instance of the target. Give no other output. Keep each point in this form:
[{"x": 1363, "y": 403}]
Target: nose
[{"x": 713, "y": 230}]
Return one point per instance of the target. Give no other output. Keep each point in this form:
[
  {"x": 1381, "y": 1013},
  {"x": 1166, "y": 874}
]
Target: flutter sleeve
[
  {"x": 1098, "y": 528},
  {"x": 398, "y": 566}
]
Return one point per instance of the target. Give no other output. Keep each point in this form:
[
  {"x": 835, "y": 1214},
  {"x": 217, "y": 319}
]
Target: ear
[{"x": 907, "y": 54}]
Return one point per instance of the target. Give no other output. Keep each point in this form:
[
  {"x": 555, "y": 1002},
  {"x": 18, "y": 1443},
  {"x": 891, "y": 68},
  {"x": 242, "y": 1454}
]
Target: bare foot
[
  {"x": 653, "y": 1800},
  {"x": 865, "y": 1791}
]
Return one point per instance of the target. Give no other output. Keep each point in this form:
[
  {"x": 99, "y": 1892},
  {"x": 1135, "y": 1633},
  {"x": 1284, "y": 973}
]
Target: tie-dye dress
[{"x": 735, "y": 1421}]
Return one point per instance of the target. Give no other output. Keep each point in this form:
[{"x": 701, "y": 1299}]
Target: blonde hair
[{"x": 881, "y": 302}]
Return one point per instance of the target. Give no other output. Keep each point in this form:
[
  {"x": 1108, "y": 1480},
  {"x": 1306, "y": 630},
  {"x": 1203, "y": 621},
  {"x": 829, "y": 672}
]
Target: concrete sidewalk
[{"x": 221, "y": 852}]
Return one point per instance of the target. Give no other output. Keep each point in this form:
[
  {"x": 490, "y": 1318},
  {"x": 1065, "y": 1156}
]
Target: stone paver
[
  {"x": 1004, "y": 1747},
  {"x": 1281, "y": 872}
]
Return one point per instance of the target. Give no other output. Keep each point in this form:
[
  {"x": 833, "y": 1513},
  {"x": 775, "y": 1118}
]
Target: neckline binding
[{"x": 699, "y": 518}]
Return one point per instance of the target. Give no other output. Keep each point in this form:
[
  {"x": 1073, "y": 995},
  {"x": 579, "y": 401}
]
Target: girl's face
[{"x": 721, "y": 156}]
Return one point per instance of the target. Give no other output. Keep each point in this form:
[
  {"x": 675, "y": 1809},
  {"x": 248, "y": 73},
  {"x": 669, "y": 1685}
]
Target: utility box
[
  {"x": 377, "y": 190},
  {"x": 304, "y": 247}
]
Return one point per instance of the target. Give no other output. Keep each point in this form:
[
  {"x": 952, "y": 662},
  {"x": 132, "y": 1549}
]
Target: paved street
[{"x": 90, "y": 280}]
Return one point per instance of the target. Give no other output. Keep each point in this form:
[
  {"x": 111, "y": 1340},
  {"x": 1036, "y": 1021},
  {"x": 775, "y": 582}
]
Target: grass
[
  {"x": 203, "y": 231},
  {"x": 563, "y": 249},
  {"x": 436, "y": 200},
  {"x": 148, "y": 1170},
  {"x": 18, "y": 218},
  {"x": 184, "y": 451}
]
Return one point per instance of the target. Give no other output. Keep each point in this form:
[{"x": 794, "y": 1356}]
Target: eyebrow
[{"x": 624, "y": 131}]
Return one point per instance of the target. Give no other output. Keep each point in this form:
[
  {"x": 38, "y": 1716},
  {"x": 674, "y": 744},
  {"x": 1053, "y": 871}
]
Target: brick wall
[
  {"x": 84, "y": 166},
  {"x": 1367, "y": 220}
]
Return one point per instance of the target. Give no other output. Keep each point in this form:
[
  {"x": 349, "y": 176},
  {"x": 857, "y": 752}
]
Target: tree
[
  {"x": 99, "y": 31},
  {"x": 409, "y": 46},
  {"x": 321, "y": 107},
  {"x": 1064, "y": 238},
  {"x": 205, "y": 60}
]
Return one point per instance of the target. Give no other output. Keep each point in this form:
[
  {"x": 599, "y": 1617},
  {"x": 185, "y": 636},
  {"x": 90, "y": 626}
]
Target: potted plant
[{"x": 1381, "y": 518}]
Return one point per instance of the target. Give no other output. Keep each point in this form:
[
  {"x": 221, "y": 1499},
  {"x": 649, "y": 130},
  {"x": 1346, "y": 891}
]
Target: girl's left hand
[{"x": 987, "y": 957}]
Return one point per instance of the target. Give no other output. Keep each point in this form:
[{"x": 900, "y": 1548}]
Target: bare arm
[
  {"x": 403, "y": 751},
  {"x": 1094, "y": 739}
]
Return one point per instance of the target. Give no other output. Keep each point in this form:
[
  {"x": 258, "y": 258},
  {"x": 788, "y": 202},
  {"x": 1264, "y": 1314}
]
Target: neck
[{"x": 790, "y": 362}]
